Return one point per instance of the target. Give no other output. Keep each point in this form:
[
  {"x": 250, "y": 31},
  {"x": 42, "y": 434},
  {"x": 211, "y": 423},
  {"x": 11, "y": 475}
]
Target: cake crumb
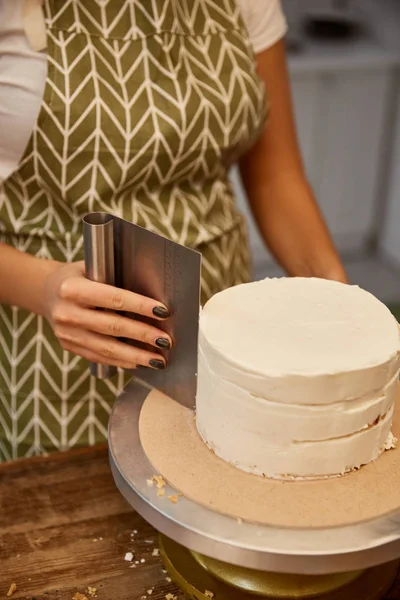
[
  {"x": 156, "y": 552},
  {"x": 150, "y": 482},
  {"x": 209, "y": 594},
  {"x": 173, "y": 499},
  {"x": 160, "y": 492},
  {"x": 79, "y": 596},
  {"x": 391, "y": 442},
  {"x": 159, "y": 481},
  {"x": 171, "y": 597},
  {"x": 168, "y": 579},
  {"x": 149, "y": 592},
  {"x": 12, "y": 590},
  {"x": 129, "y": 557},
  {"x": 92, "y": 592}
]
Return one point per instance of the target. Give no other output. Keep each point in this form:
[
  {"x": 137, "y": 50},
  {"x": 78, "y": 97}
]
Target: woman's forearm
[
  {"x": 293, "y": 228},
  {"x": 22, "y": 279},
  {"x": 281, "y": 199}
]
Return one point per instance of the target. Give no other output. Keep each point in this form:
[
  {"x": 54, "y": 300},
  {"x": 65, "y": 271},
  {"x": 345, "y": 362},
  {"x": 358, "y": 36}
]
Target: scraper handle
[{"x": 98, "y": 241}]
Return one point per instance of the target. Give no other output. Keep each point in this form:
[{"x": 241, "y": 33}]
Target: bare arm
[
  {"x": 22, "y": 279},
  {"x": 280, "y": 197}
]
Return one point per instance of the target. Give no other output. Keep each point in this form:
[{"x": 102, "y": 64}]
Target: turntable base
[{"x": 196, "y": 574}]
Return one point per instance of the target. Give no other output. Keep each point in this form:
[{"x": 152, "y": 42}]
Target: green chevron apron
[{"x": 146, "y": 106}]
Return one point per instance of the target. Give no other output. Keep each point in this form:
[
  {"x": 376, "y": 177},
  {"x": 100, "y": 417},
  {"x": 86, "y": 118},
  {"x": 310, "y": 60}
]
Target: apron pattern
[{"x": 146, "y": 107}]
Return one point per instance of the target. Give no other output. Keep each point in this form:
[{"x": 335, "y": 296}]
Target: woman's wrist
[
  {"x": 337, "y": 273},
  {"x": 44, "y": 268},
  {"x": 23, "y": 279},
  {"x": 332, "y": 270},
  {"x": 323, "y": 265}
]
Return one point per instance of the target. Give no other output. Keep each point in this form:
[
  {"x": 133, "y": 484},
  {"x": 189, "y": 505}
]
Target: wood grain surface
[{"x": 64, "y": 527}]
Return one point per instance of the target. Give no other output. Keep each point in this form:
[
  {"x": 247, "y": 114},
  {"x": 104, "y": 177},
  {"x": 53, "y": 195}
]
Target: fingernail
[
  {"x": 163, "y": 343},
  {"x": 157, "y": 364},
  {"x": 161, "y": 312}
]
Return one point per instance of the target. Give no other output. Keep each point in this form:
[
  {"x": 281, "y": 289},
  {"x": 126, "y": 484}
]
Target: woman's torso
[
  {"x": 176, "y": 91},
  {"x": 145, "y": 107}
]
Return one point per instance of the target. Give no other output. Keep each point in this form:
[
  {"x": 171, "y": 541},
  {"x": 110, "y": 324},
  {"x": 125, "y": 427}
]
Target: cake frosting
[{"x": 297, "y": 377}]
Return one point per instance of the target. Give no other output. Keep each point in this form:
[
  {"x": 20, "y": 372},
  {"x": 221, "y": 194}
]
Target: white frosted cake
[{"x": 297, "y": 377}]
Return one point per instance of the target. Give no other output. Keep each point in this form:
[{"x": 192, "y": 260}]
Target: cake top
[{"x": 301, "y": 326}]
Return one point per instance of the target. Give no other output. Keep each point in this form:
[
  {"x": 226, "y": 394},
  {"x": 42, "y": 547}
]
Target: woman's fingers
[
  {"x": 112, "y": 324},
  {"x": 105, "y": 349},
  {"x": 93, "y": 357},
  {"x": 70, "y": 299},
  {"x": 89, "y": 293}
]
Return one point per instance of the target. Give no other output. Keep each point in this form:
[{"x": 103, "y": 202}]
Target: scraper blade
[{"x": 123, "y": 254}]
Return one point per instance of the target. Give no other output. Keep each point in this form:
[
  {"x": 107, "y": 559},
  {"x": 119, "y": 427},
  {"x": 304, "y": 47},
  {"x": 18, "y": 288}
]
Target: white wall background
[{"x": 344, "y": 96}]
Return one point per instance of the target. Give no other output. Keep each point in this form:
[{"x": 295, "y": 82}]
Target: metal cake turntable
[
  {"x": 205, "y": 550},
  {"x": 208, "y": 544}
]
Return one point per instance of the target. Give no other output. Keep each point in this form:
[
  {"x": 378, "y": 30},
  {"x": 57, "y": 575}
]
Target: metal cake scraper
[{"x": 128, "y": 256}]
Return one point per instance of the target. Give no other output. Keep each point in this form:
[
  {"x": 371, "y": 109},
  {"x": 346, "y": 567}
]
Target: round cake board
[{"x": 174, "y": 448}]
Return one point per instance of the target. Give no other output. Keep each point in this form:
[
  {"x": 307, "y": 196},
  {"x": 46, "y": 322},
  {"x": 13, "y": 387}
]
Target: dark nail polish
[
  {"x": 157, "y": 364},
  {"x": 163, "y": 343},
  {"x": 161, "y": 312}
]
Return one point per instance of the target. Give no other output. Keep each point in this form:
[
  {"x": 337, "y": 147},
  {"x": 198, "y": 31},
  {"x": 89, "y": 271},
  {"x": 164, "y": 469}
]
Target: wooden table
[{"x": 64, "y": 527}]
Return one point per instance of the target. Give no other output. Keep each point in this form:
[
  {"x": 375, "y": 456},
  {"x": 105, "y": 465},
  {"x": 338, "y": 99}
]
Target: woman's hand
[{"x": 70, "y": 302}]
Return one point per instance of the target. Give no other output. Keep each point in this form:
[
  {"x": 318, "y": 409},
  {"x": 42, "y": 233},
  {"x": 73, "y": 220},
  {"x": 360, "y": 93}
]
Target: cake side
[
  {"x": 287, "y": 440},
  {"x": 279, "y": 417}
]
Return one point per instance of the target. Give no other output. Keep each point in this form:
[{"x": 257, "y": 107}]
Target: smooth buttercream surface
[{"x": 296, "y": 376}]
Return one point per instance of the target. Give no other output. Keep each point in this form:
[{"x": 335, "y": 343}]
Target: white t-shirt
[{"x": 23, "y": 70}]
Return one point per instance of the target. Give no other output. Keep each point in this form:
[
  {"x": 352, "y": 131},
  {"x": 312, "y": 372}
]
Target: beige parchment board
[{"x": 174, "y": 448}]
